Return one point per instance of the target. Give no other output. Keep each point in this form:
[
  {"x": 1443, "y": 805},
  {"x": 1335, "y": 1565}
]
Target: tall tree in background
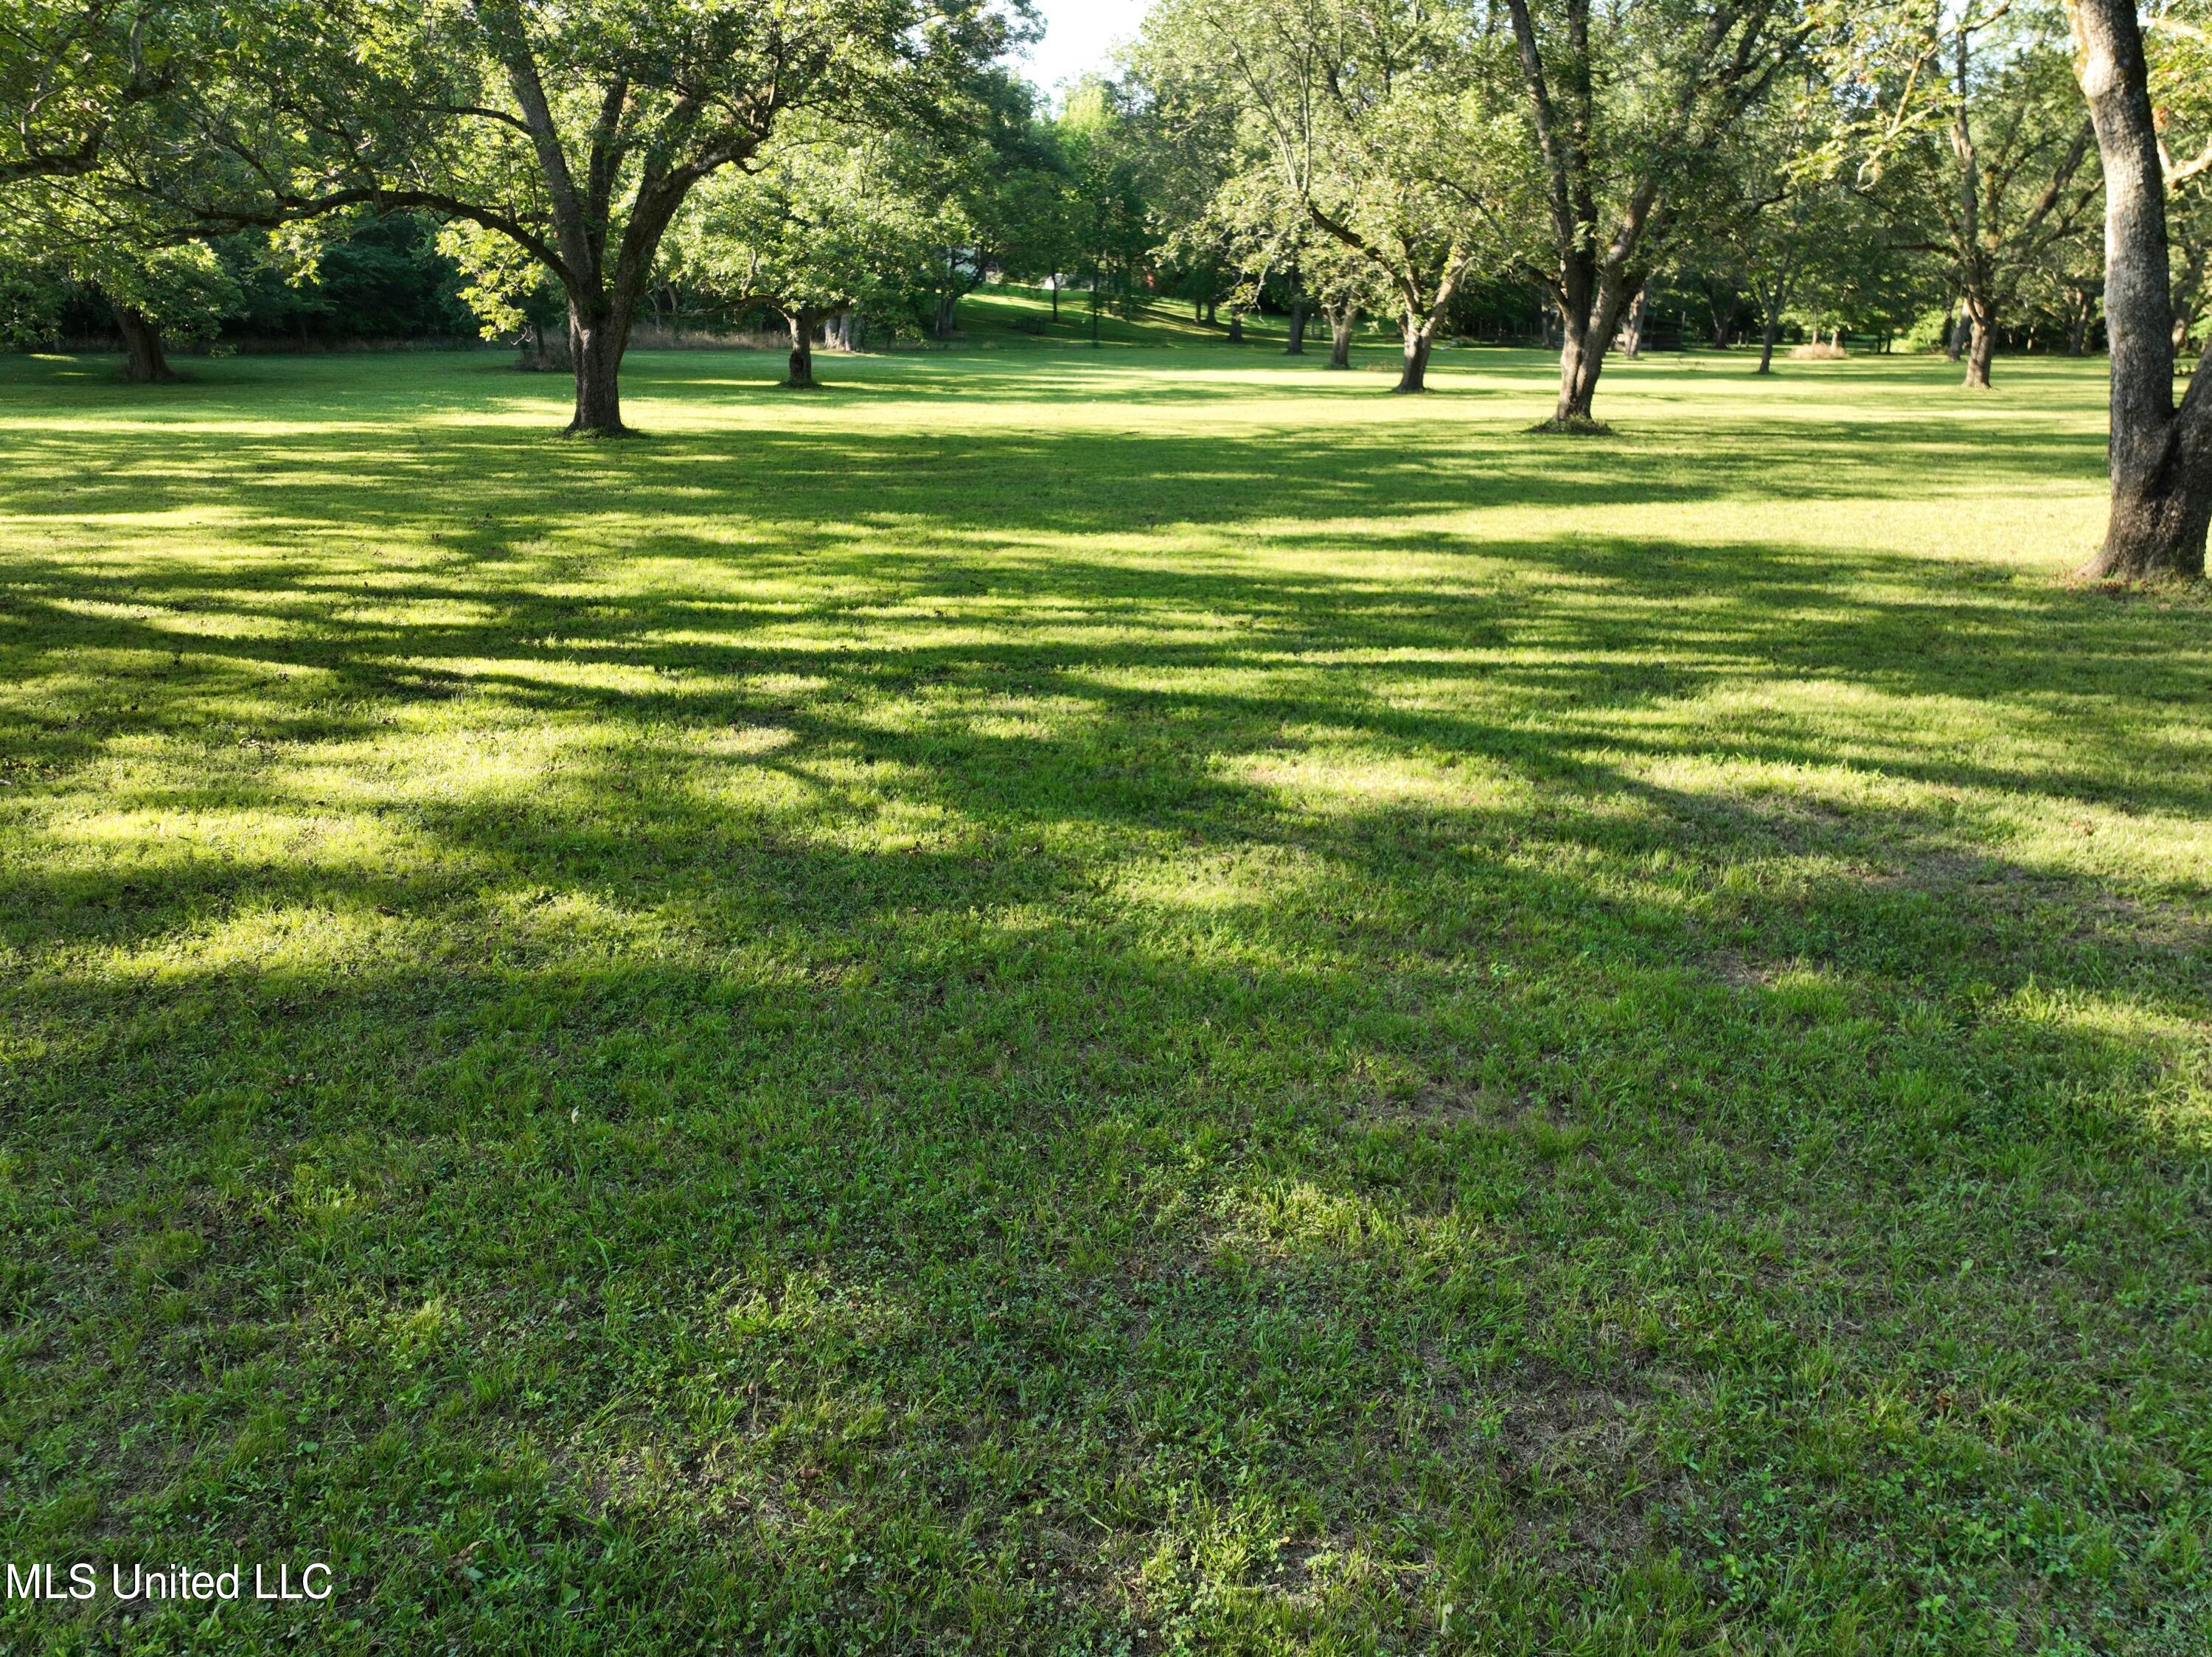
[
  {"x": 2160, "y": 452},
  {"x": 159, "y": 285},
  {"x": 85, "y": 88},
  {"x": 1187, "y": 134},
  {"x": 997, "y": 185},
  {"x": 1626, "y": 105},
  {"x": 1110, "y": 232},
  {"x": 1788, "y": 242},
  {"x": 1346, "y": 287},
  {"x": 821, "y": 228},
  {"x": 1777, "y": 202},
  {"x": 1376, "y": 119},
  {"x": 1988, "y": 157},
  {"x": 2178, "y": 43},
  {"x": 573, "y": 129}
]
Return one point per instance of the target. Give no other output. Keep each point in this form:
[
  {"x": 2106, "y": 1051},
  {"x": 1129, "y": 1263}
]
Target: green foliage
[
  {"x": 820, "y": 226},
  {"x": 2179, "y": 39},
  {"x": 1973, "y": 134},
  {"x": 73, "y": 72},
  {"x": 383, "y": 279},
  {"x": 1372, "y": 144},
  {"x": 183, "y": 290},
  {"x": 1107, "y": 223}
]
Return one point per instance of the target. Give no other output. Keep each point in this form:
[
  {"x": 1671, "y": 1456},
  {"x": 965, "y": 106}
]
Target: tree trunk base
[
  {"x": 1572, "y": 425},
  {"x": 2154, "y": 538},
  {"x": 144, "y": 360}
]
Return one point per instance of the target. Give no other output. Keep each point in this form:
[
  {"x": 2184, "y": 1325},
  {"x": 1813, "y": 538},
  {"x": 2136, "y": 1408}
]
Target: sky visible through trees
[{"x": 1079, "y": 37}]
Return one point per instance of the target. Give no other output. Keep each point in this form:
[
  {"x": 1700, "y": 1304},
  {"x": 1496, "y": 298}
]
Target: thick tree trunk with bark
[
  {"x": 800, "y": 376},
  {"x": 1588, "y": 318},
  {"x": 1413, "y": 376},
  {"x": 1631, "y": 337},
  {"x": 1341, "y": 321},
  {"x": 2161, "y": 456},
  {"x": 1581, "y": 359},
  {"x": 144, "y": 361},
  {"x": 597, "y": 346},
  {"x": 1981, "y": 344},
  {"x": 1297, "y": 344}
]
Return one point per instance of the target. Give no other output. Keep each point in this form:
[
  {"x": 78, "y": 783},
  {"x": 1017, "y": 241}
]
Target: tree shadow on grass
[
  {"x": 891, "y": 1211},
  {"x": 798, "y": 490},
  {"x": 970, "y": 1084}
]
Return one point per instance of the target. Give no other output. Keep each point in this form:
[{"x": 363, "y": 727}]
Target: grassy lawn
[{"x": 1055, "y": 1001}]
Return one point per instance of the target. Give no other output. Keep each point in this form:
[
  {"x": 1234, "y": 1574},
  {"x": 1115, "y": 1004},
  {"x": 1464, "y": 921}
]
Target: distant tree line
[{"x": 1603, "y": 178}]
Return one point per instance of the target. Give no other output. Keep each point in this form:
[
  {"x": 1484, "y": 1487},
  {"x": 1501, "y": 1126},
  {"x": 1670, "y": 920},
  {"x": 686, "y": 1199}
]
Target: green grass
[
  {"x": 1061, "y": 1001},
  {"x": 1004, "y": 314}
]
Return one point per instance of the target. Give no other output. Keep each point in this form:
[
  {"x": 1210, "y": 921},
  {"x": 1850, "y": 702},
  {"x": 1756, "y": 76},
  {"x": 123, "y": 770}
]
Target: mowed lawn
[{"x": 1126, "y": 1001}]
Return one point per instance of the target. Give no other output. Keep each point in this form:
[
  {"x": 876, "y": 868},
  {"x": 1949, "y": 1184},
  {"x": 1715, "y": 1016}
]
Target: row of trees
[
  {"x": 849, "y": 164},
  {"x": 853, "y": 168},
  {"x": 564, "y": 148}
]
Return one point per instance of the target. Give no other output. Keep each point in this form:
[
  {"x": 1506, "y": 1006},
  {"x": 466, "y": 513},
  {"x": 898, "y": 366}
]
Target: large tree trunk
[
  {"x": 1414, "y": 375},
  {"x": 597, "y": 347},
  {"x": 2161, "y": 456},
  {"x": 1768, "y": 338},
  {"x": 1581, "y": 359},
  {"x": 1342, "y": 320},
  {"x": 1592, "y": 301},
  {"x": 1631, "y": 337},
  {"x": 1236, "y": 325},
  {"x": 144, "y": 361},
  {"x": 801, "y": 375},
  {"x": 1981, "y": 344},
  {"x": 1297, "y": 344}
]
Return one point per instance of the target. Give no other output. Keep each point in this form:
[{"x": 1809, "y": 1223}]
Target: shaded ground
[{"x": 1100, "y": 1001}]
